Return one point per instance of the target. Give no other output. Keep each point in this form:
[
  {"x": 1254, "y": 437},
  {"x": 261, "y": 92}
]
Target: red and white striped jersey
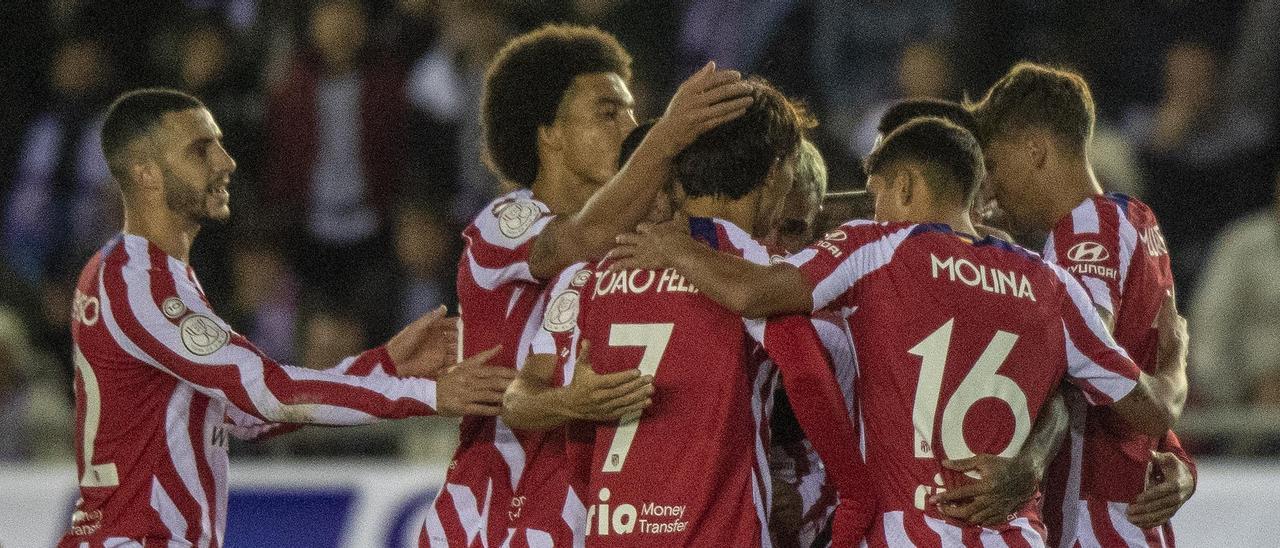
[
  {"x": 792, "y": 458},
  {"x": 160, "y": 383},
  {"x": 1113, "y": 245},
  {"x": 690, "y": 470},
  {"x": 500, "y": 302},
  {"x": 958, "y": 344}
]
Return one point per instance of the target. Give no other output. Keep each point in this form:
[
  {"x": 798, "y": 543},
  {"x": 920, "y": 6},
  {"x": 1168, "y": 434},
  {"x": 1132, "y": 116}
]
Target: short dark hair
[
  {"x": 1037, "y": 96},
  {"x": 951, "y": 156},
  {"x": 133, "y": 115},
  {"x": 526, "y": 83},
  {"x": 632, "y": 141},
  {"x": 733, "y": 159},
  {"x": 908, "y": 109}
]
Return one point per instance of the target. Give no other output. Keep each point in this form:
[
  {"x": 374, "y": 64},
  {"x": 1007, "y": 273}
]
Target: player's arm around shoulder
[{"x": 746, "y": 288}]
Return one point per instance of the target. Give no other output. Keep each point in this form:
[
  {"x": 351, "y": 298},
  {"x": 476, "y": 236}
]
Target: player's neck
[
  {"x": 1076, "y": 184},
  {"x": 172, "y": 234},
  {"x": 562, "y": 191},
  {"x": 957, "y": 219}
]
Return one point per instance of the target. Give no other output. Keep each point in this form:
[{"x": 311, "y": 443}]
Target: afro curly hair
[{"x": 526, "y": 83}]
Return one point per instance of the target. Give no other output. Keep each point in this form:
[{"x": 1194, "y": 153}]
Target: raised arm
[
  {"x": 158, "y": 315},
  {"x": 707, "y": 99}
]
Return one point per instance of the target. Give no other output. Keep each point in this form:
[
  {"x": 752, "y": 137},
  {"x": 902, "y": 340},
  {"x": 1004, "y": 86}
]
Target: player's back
[
  {"x": 959, "y": 343},
  {"x": 690, "y": 471}
]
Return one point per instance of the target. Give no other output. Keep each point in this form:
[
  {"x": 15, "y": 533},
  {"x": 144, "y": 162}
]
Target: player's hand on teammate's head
[
  {"x": 472, "y": 387},
  {"x": 606, "y": 397},
  {"x": 425, "y": 347},
  {"x": 1172, "y": 328},
  {"x": 708, "y": 98},
  {"x": 1002, "y": 487},
  {"x": 1169, "y": 485},
  {"x": 651, "y": 246}
]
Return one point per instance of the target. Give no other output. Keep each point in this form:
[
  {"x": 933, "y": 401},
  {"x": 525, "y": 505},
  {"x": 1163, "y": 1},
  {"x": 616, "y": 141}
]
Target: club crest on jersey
[
  {"x": 1088, "y": 252},
  {"x": 516, "y": 217},
  {"x": 836, "y": 235},
  {"x": 580, "y": 279},
  {"x": 201, "y": 335},
  {"x": 562, "y": 313},
  {"x": 173, "y": 308}
]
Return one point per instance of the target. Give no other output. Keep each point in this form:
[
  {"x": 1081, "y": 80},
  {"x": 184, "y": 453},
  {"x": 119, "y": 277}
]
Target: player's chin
[{"x": 217, "y": 213}]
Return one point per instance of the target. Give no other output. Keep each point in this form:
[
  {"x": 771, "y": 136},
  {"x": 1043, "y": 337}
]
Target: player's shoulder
[
  {"x": 511, "y": 218},
  {"x": 575, "y": 276}
]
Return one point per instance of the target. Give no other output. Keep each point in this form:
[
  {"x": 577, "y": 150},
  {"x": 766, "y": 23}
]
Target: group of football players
[
  {"x": 667, "y": 341},
  {"x": 696, "y": 369}
]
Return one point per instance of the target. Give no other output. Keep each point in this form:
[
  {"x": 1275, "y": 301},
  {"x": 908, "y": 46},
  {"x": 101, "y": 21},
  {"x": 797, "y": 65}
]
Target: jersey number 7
[
  {"x": 980, "y": 382},
  {"x": 654, "y": 338}
]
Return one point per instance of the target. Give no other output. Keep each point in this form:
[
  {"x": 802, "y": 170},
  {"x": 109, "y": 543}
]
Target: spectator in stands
[
  {"x": 924, "y": 72},
  {"x": 336, "y": 150},
  {"x": 1236, "y": 314},
  {"x": 34, "y": 414},
  {"x": 444, "y": 92},
  {"x": 1205, "y": 157},
  {"x": 264, "y": 296},
  {"x": 427, "y": 249},
  {"x": 55, "y": 213}
]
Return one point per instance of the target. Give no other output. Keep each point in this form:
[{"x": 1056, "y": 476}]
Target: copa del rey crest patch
[{"x": 516, "y": 217}]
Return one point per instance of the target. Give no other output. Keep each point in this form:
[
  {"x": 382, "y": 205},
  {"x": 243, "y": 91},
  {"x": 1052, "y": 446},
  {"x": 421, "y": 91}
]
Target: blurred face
[
  {"x": 1010, "y": 178},
  {"x": 78, "y": 69},
  {"x": 196, "y": 168},
  {"x": 923, "y": 71},
  {"x": 797, "y": 226},
  {"x": 595, "y": 116},
  {"x": 421, "y": 243},
  {"x": 329, "y": 339},
  {"x": 204, "y": 55},
  {"x": 338, "y": 30},
  {"x": 1189, "y": 71}
]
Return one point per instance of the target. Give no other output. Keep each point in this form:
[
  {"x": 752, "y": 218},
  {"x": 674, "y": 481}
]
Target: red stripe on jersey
[{"x": 226, "y": 377}]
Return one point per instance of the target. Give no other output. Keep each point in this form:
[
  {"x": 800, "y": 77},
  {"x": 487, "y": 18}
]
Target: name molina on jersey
[{"x": 991, "y": 280}]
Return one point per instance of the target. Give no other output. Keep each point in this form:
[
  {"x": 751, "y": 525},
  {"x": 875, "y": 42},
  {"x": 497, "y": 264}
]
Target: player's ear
[
  {"x": 1038, "y": 149},
  {"x": 905, "y": 184},
  {"x": 549, "y": 138}
]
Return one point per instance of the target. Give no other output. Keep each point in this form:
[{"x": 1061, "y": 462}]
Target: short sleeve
[
  {"x": 558, "y": 331},
  {"x": 1096, "y": 364}
]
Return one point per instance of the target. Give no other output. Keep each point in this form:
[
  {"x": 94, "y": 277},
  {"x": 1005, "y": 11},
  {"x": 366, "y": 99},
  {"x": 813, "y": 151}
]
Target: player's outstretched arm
[
  {"x": 1156, "y": 403},
  {"x": 1006, "y": 484},
  {"x": 158, "y": 316},
  {"x": 819, "y": 407},
  {"x": 707, "y": 99},
  {"x": 745, "y": 288},
  {"x": 532, "y": 403}
]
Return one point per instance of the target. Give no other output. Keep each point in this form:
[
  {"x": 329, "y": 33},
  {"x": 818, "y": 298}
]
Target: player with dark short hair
[
  {"x": 686, "y": 465},
  {"x": 161, "y": 380}
]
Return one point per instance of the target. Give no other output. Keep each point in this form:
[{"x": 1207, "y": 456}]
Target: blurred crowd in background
[{"x": 355, "y": 127}]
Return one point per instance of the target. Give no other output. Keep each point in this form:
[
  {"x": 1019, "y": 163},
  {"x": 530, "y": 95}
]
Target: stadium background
[{"x": 1188, "y": 102}]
